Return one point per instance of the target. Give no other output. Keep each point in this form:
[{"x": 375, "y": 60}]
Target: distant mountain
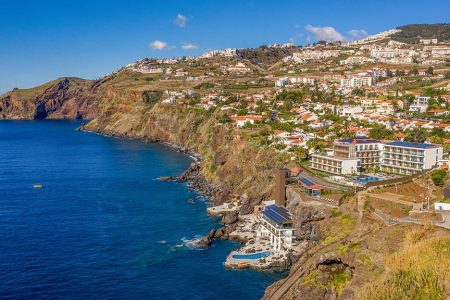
[
  {"x": 63, "y": 98},
  {"x": 411, "y": 34}
]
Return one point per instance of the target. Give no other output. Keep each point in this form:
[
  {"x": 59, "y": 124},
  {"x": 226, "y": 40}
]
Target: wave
[{"x": 190, "y": 244}]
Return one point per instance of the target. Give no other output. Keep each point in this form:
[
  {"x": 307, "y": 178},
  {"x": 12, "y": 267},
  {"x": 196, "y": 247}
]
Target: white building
[
  {"x": 242, "y": 120},
  {"x": 348, "y": 111},
  {"x": 419, "y": 105},
  {"x": 356, "y": 81},
  {"x": 383, "y": 53},
  {"x": 428, "y": 41},
  {"x": 276, "y": 225},
  {"x": 410, "y": 158},
  {"x": 335, "y": 165},
  {"x": 441, "y": 206}
]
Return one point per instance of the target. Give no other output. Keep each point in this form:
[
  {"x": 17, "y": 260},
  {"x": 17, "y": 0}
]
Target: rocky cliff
[
  {"x": 118, "y": 106},
  {"x": 64, "y": 98},
  {"x": 231, "y": 165}
]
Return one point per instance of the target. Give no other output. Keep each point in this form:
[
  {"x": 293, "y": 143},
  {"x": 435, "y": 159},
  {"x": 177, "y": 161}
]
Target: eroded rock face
[
  {"x": 230, "y": 218},
  {"x": 65, "y": 98},
  {"x": 306, "y": 221}
]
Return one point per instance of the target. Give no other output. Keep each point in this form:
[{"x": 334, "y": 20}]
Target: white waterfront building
[{"x": 276, "y": 225}]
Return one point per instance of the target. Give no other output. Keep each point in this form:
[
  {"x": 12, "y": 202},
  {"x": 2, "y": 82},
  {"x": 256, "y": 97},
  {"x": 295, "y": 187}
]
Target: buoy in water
[{"x": 38, "y": 186}]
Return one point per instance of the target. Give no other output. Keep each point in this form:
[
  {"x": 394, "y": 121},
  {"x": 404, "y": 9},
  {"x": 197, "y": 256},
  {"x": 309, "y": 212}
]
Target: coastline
[
  {"x": 192, "y": 154},
  {"x": 235, "y": 227}
]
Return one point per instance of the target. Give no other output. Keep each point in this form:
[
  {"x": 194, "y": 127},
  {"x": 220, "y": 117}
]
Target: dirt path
[{"x": 362, "y": 198}]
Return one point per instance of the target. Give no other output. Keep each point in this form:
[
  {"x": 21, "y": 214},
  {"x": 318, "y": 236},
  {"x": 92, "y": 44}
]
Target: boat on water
[{"x": 38, "y": 186}]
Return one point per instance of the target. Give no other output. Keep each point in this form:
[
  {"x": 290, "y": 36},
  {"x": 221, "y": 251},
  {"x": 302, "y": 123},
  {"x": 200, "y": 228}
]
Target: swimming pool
[
  {"x": 367, "y": 179},
  {"x": 252, "y": 255}
]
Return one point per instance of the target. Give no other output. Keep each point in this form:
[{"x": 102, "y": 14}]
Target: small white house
[{"x": 441, "y": 206}]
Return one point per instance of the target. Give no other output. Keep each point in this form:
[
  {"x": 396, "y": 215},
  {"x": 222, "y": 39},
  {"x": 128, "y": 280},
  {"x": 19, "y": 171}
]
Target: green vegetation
[
  {"x": 417, "y": 272},
  {"x": 417, "y": 136},
  {"x": 340, "y": 281},
  {"x": 339, "y": 227},
  {"x": 152, "y": 97},
  {"x": 205, "y": 85},
  {"x": 291, "y": 96},
  {"x": 264, "y": 55},
  {"x": 412, "y": 33},
  {"x": 358, "y": 92},
  {"x": 381, "y": 132},
  {"x": 439, "y": 176}
]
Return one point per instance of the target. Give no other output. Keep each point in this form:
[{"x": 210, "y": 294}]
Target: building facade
[
  {"x": 409, "y": 158},
  {"x": 276, "y": 225},
  {"x": 368, "y": 151},
  {"x": 335, "y": 165}
]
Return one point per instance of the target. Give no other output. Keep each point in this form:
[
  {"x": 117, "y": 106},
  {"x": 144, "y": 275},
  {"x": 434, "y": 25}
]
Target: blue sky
[{"x": 43, "y": 40}]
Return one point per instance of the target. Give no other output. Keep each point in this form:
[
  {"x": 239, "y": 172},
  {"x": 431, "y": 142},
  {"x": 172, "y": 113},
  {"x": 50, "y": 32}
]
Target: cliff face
[
  {"x": 65, "y": 98},
  {"x": 118, "y": 105},
  {"x": 229, "y": 160}
]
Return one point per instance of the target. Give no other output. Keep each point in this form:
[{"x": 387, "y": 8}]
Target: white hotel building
[
  {"x": 410, "y": 158},
  {"x": 335, "y": 165},
  {"x": 352, "y": 156}
]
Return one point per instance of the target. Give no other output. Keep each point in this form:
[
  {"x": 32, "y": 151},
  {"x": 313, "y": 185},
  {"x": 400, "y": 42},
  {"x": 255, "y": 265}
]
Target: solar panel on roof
[
  {"x": 275, "y": 217},
  {"x": 277, "y": 214},
  {"x": 306, "y": 181},
  {"x": 411, "y": 144},
  {"x": 281, "y": 211}
]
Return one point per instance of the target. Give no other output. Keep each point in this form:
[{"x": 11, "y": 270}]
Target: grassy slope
[
  {"x": 419, "y": 271},
  {"x": 412, "y": 33}
]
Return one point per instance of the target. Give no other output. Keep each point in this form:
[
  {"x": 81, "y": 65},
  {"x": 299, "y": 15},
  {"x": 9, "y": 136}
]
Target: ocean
[{"x": 103, "y": 226}]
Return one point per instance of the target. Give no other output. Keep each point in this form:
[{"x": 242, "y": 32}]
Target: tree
[
  {"x": 242, "y": 112},
  {"x": 381, "y": 132},
  {"x": 439, "y": 176},
  {"x": 152, "y": 97},
  {"x": 438, "y": 131},
  {"x": 358, "y": 92},
  {"x": 299, "y": 151},
  {"x": 316, "y": 144},
  {"x": 417, "y": 136}
]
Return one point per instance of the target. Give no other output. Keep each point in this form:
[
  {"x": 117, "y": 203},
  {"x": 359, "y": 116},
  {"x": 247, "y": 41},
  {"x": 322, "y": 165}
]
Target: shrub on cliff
[
  {"x": 152, "y": 97},
  {"x": 439, "y": 176}
]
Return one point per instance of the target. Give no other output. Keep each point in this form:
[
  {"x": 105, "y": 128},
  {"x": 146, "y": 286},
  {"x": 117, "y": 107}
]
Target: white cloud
[
  {"x": 358, "y": 34},
  {"x": 189, "y": 46},
  {"x": 181, "y": 20},
  {"x": 160, "y": 45},
  {"x": 326, "y": 33}
]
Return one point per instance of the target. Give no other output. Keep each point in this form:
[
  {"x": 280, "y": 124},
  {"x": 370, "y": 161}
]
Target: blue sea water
[{"x": 103, "y": 227}]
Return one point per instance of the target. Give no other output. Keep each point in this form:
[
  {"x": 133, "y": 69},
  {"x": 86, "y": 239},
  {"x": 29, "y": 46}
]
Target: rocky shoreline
[{"x": 218, "y": 194}]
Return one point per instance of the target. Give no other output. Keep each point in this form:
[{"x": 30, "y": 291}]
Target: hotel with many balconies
[
  {"x": 361, "y": 154},
  {"x": 368, "y": 151},
  {"x": 350, "y": 156},
  {"x": 335, "y": 165},
  {"x": 410, "y": 158}
]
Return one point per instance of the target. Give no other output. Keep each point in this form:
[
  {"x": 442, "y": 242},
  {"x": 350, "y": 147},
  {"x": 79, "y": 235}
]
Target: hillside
[
  {"x": 413, "y": 33},
  {"x": 63, "y": 98},
  {"x": 191, "y": 103},
  {"x": 265, "y": 56}
]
